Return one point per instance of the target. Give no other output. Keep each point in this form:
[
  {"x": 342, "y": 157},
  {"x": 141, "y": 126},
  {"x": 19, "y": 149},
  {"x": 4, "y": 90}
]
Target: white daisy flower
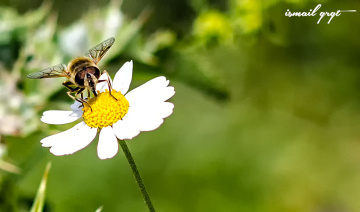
[{"x": 142, "y": 109}]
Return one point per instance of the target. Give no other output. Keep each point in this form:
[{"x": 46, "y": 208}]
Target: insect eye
[
  {"x": 94, "y": 71},
  {"x": 79, "y": 78}
]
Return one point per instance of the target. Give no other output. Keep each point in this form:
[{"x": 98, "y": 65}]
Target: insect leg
[
  {"x": 82, "y": 100},
  {"x": 94, "y": 91},
  {"x": 67, "y": 84},
  {"x": 74, "y": 98},
  {"x": 80, "y": 92},
  {"x": 108, "y": 82},
  {"x": 88, "y": 92}
]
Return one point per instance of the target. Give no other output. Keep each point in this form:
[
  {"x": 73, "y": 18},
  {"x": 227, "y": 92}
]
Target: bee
[{"x": 82, "y": 72}]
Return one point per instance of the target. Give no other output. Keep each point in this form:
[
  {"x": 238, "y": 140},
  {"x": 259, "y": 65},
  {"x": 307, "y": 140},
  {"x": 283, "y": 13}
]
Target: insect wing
[
  {"x": 97, "y": 52},
  {"x": 52, "y": 72}
]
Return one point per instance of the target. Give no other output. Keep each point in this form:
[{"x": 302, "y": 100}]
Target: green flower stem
[{"x": 136, "y": 175}]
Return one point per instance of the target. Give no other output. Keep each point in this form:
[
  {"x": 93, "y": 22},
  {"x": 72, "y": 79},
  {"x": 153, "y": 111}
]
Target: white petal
[
  {"x": 155, "y": 90},
  {"x": 147, "y": 108},
  {"x": 70, "y": 141},
  {"x": 123, "y": 78},
  {"x": 143, "y": 118},
  {"x": 108, "y": 145},
  {"x": 157, "y": 109},
  {"x": 76, "y": 106},
  {"x": 125, "y": 130},
  {"x": 102, "y": 86},
  {"x": 60, "y": 116}
]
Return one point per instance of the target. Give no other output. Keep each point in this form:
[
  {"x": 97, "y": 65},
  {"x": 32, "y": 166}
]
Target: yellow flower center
[{"x": 104, "y": 110}]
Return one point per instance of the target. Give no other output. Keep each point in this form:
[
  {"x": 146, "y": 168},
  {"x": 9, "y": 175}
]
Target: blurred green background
[{"x": 267, "y": 107}]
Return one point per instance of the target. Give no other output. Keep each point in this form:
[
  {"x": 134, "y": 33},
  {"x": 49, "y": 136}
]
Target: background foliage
[{"x": 267, "y": 110}]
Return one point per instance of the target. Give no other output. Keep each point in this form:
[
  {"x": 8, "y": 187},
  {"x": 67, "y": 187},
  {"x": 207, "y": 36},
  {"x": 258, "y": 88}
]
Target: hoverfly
[{"x": 82, "y": 72}]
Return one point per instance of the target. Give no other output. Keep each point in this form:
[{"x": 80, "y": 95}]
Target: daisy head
[{"x": 116, "y": 113}]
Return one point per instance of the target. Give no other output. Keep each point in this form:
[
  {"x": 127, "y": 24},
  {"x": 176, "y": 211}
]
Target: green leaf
[{"x": 40, "y": 196}]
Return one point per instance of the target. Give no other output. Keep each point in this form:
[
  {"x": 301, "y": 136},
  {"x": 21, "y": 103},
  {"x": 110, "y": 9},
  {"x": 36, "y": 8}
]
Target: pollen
[{"x": 105, "y": 109}]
